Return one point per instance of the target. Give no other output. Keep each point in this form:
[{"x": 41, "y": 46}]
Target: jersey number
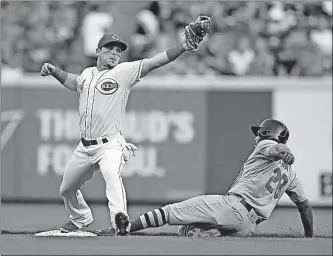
[{"x": 281, "y": 181}]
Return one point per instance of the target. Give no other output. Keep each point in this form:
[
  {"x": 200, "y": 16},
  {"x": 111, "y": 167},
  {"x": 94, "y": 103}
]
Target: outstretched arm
[
  {"x": 65, "y": 78},
  {"x": 193, "y": 35},
  {"x": 161, "y": 59}
]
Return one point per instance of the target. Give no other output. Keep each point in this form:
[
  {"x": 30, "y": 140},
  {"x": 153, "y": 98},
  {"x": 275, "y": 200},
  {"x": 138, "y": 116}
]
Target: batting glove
[{"x": 128, "y": 151}]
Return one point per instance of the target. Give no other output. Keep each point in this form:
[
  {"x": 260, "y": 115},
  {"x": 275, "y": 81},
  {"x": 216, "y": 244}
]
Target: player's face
[{"x": 109, "y": 55}]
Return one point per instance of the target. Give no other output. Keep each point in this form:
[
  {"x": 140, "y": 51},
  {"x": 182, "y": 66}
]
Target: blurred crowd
[{"x": 247, "y": 38}]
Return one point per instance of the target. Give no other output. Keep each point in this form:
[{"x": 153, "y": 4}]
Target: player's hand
[
  {"x": 287, "y": 157},
  {"x": 129, "y": 150},
  {"x": 47, "y": 69}
]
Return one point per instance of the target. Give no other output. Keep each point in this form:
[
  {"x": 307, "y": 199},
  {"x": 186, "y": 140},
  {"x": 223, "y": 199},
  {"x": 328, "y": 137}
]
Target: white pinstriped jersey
[
  {"x": 103, "y": 96},
  {"x": 262, "y": 180}
]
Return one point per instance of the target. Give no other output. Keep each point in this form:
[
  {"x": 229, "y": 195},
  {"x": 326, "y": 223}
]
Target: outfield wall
[{"x": 192, "y": 133}]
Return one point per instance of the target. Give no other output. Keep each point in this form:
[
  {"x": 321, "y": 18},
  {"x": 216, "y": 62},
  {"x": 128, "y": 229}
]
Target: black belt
[
  {"x": 249, "y": 208},
  {"x": 87, "y": 143}
]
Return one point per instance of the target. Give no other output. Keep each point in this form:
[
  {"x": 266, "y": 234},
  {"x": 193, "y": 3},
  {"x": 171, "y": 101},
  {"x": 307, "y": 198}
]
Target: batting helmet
[{"x": 271, "y": 129}]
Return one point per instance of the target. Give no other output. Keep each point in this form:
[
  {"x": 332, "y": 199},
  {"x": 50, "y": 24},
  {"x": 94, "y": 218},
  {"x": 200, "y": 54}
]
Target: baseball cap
[{"x": 113, "y": 39}]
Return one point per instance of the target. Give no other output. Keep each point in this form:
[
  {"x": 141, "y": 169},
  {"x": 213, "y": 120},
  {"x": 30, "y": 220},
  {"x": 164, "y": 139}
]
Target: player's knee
[{"x": 65, "y": 191}]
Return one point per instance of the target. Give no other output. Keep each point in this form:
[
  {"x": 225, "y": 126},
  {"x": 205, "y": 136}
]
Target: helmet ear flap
[{"x": 284, "y": 136}]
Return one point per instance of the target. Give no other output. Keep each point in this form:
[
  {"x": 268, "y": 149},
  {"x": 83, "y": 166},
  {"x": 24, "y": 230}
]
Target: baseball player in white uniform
[
  {"x": 103, "y": 92},
  {"x": 265, "y": 176}
]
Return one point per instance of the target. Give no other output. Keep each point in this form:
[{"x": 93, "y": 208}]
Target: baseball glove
[{"x": 195, "y": 33}]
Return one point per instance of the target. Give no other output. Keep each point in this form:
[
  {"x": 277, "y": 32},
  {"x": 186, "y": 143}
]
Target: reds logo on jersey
[{"x": 107, "y": 86}]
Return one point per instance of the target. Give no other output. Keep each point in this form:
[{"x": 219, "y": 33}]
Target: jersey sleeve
[
  {"x": 264, "y": 147},
  {"x": 79, "y": 81},
  {"x": 132, "y": 72},
  {"x": 295, "y": 191}
]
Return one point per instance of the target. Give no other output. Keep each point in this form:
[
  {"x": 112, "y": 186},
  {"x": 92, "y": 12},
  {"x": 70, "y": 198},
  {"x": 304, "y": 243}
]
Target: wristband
[
  {"x": 60, "y": 75},
  {"x": 174, "y": 52}
]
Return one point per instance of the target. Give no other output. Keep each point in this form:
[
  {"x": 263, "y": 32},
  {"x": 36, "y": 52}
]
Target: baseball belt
[
  {"x": 88, "y": 143},
  {"x": 249, "y": 208}
]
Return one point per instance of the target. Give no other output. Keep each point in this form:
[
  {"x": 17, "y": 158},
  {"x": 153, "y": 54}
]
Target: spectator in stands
[
  {"x": 280, "y": 19},
  {"x": 310, "y": 61},
  {"x": 55, "y": 39},
  {"x": 322, "y": 35},
  {"x": 297, "y": 36},
  {"x": 148, "y": 23},
  {"x": 143, "y": 40},
  {"x": 264, "y": 60},
  {"x": 241, "y": 58},
  {"x": 138, "y": 47},
  {"x": 216, "y": 53},
  {"x": 327, "y": 7},
  {"x": 95, "y": 24},
  {"x": 285, "y": 62},
  {"x": 166, "y": 39}
]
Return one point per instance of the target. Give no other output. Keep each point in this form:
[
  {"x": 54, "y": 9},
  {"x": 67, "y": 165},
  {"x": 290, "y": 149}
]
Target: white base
[{"x": 71, "y": 234}]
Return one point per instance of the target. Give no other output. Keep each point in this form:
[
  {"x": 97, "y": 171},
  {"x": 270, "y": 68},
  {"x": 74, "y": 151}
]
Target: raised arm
[
  {"x": 161, "y": 59},
  {"x": 65, "y": 78},
  {"x": 193, "y": 35}
]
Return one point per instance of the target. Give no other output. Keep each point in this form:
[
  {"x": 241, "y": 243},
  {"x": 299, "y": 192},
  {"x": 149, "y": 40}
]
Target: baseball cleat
[
  {"x": 197, "y": 232},
  {"x": 182, "y": 230},
  {"x": 189, "y": 230},
  {"x": 106, "y": 232},
  {"x": 123, "y": 224},
  {"x": 193, "y": 230},
  {"x": 69, "y": 227}
]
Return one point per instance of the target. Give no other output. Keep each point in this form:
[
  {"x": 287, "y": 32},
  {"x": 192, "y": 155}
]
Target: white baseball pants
[{"x": 108, "y": 158}]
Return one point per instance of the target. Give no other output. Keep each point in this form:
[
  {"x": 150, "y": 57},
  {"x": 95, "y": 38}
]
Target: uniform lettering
[
  {"x": 281, "y": 181},
  {"x": 107, "y": 86}
]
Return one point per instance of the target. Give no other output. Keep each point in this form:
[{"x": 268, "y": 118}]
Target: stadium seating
[{"x": 248, "y": 38}]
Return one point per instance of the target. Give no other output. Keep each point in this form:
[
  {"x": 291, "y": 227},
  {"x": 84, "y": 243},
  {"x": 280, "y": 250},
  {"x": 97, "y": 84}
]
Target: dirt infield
[{"x": 282, "y": 234}]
